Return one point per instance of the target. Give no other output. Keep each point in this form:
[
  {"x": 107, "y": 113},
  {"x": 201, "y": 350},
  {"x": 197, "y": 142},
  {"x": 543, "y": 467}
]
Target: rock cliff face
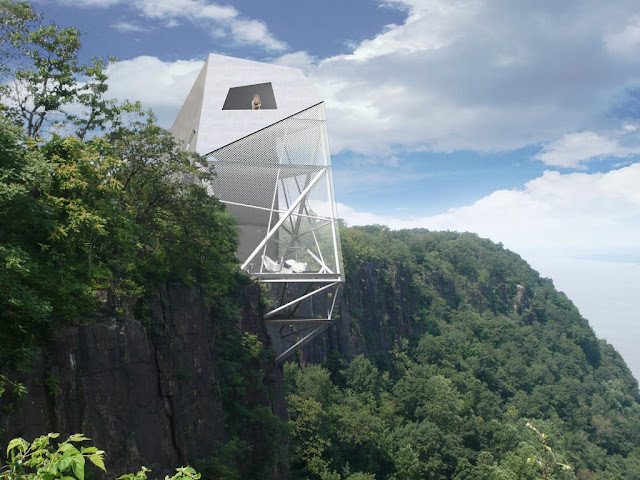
[
  {"x": 377, "y": 309},
  {"x": 149, "y": 394},
  {"x": 146, "y": 394},
  {"x": 381, "y": 305}
]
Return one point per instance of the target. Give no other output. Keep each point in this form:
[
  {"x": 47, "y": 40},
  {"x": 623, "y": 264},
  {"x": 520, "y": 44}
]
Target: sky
[{"x": 519, "y": 121}]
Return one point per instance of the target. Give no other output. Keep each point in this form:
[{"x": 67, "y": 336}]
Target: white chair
[
  {"x": 295, "y": 266},
  {"x": 270, "y": 265}
]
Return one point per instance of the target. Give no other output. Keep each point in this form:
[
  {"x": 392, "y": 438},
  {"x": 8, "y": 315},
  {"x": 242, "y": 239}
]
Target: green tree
[
  {"x": 80, "y": 218},
  {"x": 362, "y": 375},
  {"x": 44, "y": 460},
  {"x": 25, "y": 303},
  {"x": 48, "y": 84},
  {"x": 16, "y": 19},
  {"x": 546, "y": 460}
]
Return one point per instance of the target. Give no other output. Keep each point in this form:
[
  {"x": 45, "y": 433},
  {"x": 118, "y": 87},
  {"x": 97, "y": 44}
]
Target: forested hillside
[
  {"x": 480, "y": 347},
  {"x": 123, "y": 315}
]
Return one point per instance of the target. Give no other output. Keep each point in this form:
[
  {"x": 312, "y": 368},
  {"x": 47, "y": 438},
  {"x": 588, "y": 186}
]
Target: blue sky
[{"x": 519, "y": 121}]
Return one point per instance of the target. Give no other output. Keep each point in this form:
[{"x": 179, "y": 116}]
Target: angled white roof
[{"x": 204, "y": 126}]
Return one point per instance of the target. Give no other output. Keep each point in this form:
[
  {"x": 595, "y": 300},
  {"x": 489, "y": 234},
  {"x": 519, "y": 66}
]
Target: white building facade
[{"x": 263, "y": 128}]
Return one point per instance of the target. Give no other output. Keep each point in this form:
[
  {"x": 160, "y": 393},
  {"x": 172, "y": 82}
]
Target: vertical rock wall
[
  {"x": 377, "y": 310},
  {"x": 146, "y": 394}
]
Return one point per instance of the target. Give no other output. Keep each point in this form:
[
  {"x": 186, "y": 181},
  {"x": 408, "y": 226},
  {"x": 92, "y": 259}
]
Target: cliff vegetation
[
  {"x": 123, "y": 315},
  {"x": 484, "y": 357}
]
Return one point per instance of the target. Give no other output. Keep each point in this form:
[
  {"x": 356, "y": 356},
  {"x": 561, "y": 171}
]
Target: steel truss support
[
  {"x": 303, "y": 341},
  {"x": 298, "y": 300},
  {"x": 277, "y": 182},
  {"x": 304, "y": 327}
]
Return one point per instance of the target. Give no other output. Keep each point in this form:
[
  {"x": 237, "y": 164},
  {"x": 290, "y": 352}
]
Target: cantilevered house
[{"x": 263, "y": 127}]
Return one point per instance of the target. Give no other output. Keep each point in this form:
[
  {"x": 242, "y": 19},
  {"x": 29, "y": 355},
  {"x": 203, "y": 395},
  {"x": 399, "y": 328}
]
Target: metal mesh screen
[{"x": 278, "y": 183}]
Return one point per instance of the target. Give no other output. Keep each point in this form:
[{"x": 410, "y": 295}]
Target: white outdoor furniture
[
  {"x": 270, "y": 265},
  {"x": 288, "y": 266},
  {"x": 295, "y": 266}
]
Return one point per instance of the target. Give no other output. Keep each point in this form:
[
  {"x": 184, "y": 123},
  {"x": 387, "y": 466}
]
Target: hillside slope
[{"x": 461, "y": 344}]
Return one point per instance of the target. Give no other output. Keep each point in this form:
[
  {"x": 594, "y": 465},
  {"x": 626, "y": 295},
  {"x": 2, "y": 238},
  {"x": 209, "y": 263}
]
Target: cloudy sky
[{"x": 519, "y": 121}]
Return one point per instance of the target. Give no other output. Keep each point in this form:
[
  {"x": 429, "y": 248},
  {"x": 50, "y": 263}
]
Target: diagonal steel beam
[
  {"x": 293, "y": 206},
  {"x": 297, "y": 300},
  {"x": 287, "y": 319},
  {"x": 300, "y": 343}
]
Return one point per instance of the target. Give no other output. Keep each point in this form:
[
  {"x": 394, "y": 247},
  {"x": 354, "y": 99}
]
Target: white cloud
[
  {"x": 574, "y": 214},
  {"x": 127, "y": 27},
  {"x": 89, "y": 3},
  {"x": 153, "y": 81},
  {"x": 444, "y": 20},
  {"x": 369, "y": 161},
  {"x": 255, "y": 32},
  {"x": 157, "y": 84},
  {"x": 627, "y": 41},
  {"x": 301, "y": 60},
  {"x": 194, "y": 9},
  {"x": 221, "y": 20},
  {"x": 480, "y": 75},
  {"x": 574, "y": 149}
]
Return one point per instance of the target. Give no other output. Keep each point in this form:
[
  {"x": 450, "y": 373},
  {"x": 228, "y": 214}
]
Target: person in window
[{"x": 256, "y": 103}]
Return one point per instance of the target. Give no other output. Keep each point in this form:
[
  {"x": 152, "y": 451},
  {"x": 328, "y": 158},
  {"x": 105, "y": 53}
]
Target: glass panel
[{"x": 277, "y": 183}]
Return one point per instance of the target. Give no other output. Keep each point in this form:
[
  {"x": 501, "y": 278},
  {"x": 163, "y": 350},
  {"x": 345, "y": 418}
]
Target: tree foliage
[
  {"x": 91, "y": 219},
  {"x": 483, "y": 352},
  {"x": 48, "y": 88},
  {"x": 43, "y": 459},
  {"x": 108, "y": 216}
]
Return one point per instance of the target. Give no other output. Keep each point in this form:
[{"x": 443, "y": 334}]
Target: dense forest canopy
[
  {"x": 101, "y": 211},
  {"x": 468, "y": 365},
  {"x": 497, "y": 358}
]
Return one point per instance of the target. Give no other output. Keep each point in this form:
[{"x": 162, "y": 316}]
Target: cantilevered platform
[{"x": 273, "y": 172}]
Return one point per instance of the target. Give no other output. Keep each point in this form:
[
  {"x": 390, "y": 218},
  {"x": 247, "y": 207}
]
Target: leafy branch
[
  {"x": 42, "y": 460},
  {"x": 545, "y": 459}
]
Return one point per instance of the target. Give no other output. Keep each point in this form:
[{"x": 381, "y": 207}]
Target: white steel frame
[{"x": 288, "y": 209}]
